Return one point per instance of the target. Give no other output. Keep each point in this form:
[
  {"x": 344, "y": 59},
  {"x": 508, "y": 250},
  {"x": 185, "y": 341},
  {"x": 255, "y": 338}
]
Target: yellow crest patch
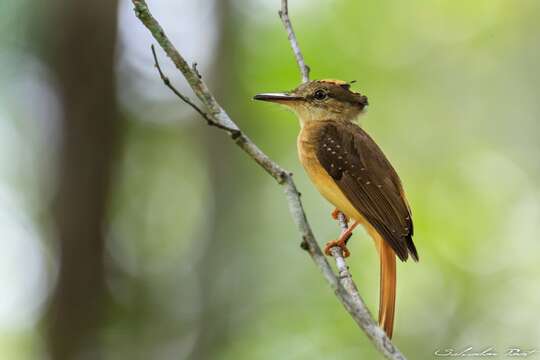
[{"x": 334, "y": 81}]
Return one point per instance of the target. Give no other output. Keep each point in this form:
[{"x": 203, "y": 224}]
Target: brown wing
[{"x": 369, "y": 182}]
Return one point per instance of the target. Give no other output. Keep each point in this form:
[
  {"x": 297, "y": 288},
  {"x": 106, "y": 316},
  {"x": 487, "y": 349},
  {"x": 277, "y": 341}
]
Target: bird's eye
[{"x": 320, "y": 95}]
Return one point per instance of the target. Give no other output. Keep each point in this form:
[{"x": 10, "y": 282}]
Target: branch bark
[
  {"x": 343, "y": 286},
  {"x": 284, "y": 15}
]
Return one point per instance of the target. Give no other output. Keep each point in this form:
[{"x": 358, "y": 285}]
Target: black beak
[{"x": 276, "y": 97}]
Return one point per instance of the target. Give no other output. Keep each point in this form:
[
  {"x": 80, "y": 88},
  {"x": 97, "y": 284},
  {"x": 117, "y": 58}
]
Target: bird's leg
[{"x": 342, "y": 241}]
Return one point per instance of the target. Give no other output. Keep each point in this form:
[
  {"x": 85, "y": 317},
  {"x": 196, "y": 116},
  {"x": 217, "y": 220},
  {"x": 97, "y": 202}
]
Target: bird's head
[{"x": 320, "y": 100}]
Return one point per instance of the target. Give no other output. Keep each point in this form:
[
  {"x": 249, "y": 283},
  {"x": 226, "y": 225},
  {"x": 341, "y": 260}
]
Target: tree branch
[
  {"x": 217, "y": 115},
  {"x": 343, "y": 270},
  {"x": 234, "y": 132},
  {"x": 284, "y": 15}
]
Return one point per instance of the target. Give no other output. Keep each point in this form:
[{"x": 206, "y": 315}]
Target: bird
[{"x": 350, "y": 170}]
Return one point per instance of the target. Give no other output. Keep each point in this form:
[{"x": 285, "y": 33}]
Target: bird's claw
[
  {"x": 341, "y": 243},
  {"x": 335, "y": 215}
]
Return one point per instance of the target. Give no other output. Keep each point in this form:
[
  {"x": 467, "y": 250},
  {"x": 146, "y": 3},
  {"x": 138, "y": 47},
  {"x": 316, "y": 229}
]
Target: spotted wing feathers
[{"x": 369, "y": 182}]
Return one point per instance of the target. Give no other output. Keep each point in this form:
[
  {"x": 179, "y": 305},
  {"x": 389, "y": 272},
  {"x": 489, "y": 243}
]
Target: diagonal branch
[
  {"x": 217, "y": 115},
  {"x": 343, "y": 270},
  {"x": 284, "y": 15}
]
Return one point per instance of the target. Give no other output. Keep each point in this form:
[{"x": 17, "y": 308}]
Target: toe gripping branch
[{"x": 344, "y": 237}]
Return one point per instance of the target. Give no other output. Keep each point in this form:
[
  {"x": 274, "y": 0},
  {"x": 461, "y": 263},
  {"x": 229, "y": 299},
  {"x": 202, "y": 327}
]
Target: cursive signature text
[{"x": 486, "y": 352}]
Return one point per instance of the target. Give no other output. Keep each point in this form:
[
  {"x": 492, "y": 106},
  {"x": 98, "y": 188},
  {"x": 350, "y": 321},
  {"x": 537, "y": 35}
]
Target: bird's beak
[{"x": 277, "y": 97}]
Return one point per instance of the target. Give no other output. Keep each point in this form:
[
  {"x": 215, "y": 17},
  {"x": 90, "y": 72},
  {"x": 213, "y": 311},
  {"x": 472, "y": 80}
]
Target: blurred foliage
[{"x": 203, "y": 259}]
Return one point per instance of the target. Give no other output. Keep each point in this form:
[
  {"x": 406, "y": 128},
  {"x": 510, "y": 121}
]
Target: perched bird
[{"x": 352, "y": 173}]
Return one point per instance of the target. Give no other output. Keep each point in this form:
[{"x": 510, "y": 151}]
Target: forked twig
[{"x": 234, "y": 132}]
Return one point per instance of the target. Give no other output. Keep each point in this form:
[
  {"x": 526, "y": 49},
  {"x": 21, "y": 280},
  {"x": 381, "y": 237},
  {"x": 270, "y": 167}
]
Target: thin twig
[
  {"x": 284, "y": 15},
  {"x": 355, "y": 306},
  {"x": 234, "y": 132},
  {"x": 343, "y": 270},
  {"x": 344, "y": 274},
  {"x": 337, "y": 253}
]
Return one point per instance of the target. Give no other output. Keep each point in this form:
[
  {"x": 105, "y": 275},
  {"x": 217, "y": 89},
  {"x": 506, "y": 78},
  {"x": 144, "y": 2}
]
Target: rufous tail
[{"x": 387, "y": 297}]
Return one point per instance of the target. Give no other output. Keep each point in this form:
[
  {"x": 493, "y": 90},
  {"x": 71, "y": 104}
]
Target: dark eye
[{"x": 320, "y": 95}]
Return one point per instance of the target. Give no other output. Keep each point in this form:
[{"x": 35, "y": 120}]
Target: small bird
[{"x": 352, "y": 173}]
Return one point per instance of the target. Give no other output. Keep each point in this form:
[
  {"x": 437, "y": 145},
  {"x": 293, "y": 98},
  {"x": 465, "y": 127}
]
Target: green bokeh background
[{"x": 203, "y": 257}]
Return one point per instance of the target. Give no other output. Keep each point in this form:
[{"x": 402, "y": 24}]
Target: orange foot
[
  {"x": 335, "y": 215},
  {"x": 341, "y": 243}
]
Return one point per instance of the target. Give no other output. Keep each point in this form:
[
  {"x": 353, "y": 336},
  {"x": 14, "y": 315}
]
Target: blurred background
[{"x": 131, "y": 230}]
